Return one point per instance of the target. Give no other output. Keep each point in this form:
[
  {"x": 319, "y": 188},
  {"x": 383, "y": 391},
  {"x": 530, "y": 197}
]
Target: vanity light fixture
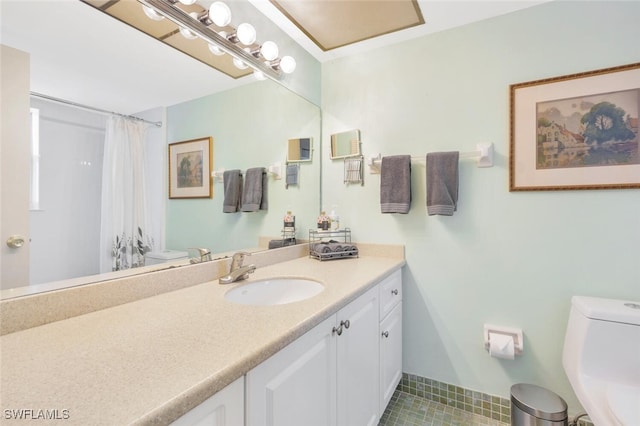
[
  {"x": 287, "y": 64},
  {"x": 152, "y": 14},
  {"x": 246, "y": 34},
  {"x": 220, "y": 14},
  {"x": 215, "y": 50},
  {"x": 239, "y": 43},
  {"x": 239, "y": 64},
  {"x": 269, "y": 50}
]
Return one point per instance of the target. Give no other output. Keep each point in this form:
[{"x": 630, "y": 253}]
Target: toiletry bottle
[
  {"x": 334, "y": 219},
  {"x": 323, "y": 221},
  {"x": 289, "y": 220}
]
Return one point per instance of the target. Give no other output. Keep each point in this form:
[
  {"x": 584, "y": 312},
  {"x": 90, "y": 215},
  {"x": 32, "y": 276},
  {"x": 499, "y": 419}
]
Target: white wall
[
  {"x": 65, "y": 230},
  {"x": 512, "y": 259}
]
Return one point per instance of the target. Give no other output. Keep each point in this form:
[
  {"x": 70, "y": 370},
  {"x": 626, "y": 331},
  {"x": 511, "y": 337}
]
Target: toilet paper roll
[{"x": 501, "y": 346}]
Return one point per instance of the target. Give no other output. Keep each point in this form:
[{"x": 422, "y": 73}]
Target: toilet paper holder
[{"x": 515, "y": 333}]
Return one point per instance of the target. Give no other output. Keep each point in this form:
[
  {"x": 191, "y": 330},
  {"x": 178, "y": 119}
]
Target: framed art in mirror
[
  {"x": 577, "y": 131},
  {"x": 190, "y": 165},
  {"x": 299, "y": 150},
  {"x": 345, "y": 144}
]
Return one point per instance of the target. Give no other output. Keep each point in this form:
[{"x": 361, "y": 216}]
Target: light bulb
[
  {"x": 187, "y": 33},
  {"x": 215, "y": 50},
  {"x": 151, "y": 13},
  {"x": 187, "y": 2},
  {"x": 259, "y": 75},
  {"x": 246, "y": 34},
  {"x": 239, "y": 64},
  {"x": 220, "y": 14},
  {"x": 269, "y": 50},
  {"x": 287, "y": 64}
]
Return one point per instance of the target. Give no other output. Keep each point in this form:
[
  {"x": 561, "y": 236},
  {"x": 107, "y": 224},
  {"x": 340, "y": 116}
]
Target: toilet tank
[
  {"x": 164, "y": 256},
  {"x": 603, "y": 338}
]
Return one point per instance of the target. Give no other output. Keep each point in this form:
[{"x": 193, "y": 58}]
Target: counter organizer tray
[{"x": 331, "y": 245}]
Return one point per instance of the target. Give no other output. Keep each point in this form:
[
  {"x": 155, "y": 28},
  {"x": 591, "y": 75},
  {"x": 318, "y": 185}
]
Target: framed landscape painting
[
  {"x": 190, "y": 164},
  {"x": 577, "y": 131}
]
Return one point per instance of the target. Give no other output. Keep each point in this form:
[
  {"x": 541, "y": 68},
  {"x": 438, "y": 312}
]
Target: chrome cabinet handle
[
  {"x": 394, "y": 291},
  {"x": 385, "y": 334},
  {"x": 338, "y": 330}
]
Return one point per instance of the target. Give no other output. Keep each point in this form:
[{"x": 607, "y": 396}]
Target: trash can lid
[{"x": 539, "y": 402}]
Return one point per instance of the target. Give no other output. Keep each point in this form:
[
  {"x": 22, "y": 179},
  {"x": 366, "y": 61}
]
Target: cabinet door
[
  {"x": 358, "y": 361},
  {"x": 296, "y": 386},
  {"x": 390, "y": 355},
  {"x": 225, "y": 408}
]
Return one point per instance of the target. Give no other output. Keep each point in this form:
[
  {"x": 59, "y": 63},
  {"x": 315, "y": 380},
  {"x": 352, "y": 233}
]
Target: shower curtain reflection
[{"x": 125, "y": 226}]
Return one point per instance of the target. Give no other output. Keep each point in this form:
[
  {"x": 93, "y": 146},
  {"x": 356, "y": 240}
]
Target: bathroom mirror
[
  {"x": 299, "y": 150},
  {"x": 194, "y": 223},
  {"x": 345, "y": 144}
]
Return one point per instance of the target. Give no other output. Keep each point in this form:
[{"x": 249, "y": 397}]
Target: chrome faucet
[
  {"x": 205, "y": 255},
  {"x": 238, "y": 272}
]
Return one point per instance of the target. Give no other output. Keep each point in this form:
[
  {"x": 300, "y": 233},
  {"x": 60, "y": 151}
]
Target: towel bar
[
  {"x": 275, "y": 170},
  {"x": 483, "y": 153}
]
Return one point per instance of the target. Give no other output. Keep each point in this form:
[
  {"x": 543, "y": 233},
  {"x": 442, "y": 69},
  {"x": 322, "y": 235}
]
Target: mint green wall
[
  {"x": 250, "y": 126},
  {"x": 512, "y": 259}
]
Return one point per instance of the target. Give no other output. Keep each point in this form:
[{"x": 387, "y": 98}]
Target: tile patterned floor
[{"x": 409, "y": 410}]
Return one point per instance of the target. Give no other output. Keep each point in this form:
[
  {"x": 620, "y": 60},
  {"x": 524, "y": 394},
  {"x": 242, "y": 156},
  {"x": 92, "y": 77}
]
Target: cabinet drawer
[{"x": 390, "y": 292}]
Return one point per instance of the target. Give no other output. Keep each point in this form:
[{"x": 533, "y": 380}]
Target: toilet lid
[{"x": 624, "y": 403}]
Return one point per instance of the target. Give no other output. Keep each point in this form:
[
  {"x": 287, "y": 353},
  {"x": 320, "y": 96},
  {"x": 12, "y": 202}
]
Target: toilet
[
  {"x": 164, "y": 256},
  {"x": 601, "y": 358}
]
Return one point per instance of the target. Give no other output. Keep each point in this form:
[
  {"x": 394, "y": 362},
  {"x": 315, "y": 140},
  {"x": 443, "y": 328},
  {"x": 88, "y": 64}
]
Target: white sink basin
[{"x": 274, "y": 291}]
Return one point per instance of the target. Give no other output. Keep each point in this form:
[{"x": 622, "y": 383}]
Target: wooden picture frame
[
  {"x": 190, "y": 165},
  {"x": 576, "y": 131}
]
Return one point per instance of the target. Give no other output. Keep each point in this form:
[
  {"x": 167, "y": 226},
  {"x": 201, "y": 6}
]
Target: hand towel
[
  {"x": 282, "y": 243},
  {"x": 442, "y": 183},
  {"x": 292, "y": 174},
  {"x": 264, "y": 201},
  {"x": 232, "y": 191},
  {"x": 395, "y": 184},
  {"x": 254, "y": 192}
]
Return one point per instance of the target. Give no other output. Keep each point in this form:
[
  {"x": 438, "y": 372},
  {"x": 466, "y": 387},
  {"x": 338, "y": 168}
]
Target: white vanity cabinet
[
  {"x": 358, "y": 376},
  {"x": 225, "y": 408},
  {"x": 327, "y": 377},
  {"x": 390, "y": 337}
]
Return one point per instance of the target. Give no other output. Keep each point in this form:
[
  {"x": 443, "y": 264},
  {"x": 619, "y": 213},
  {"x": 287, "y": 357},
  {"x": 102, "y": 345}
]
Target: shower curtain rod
[{"x": 102, "y": 111}]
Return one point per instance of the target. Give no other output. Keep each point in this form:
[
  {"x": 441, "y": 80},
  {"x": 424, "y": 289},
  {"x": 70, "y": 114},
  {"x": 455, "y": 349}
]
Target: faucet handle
[
  {"x": 205, "y": 254},
  {"x": 238, "y": 258}
]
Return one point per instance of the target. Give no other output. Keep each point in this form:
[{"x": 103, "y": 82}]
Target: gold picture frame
[
  {"x": 190, "y": 166},
  {"x": 576, "y": 131}
]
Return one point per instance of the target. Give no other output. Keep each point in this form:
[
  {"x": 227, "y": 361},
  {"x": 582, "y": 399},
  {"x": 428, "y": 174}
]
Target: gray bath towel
[
  {"x": 232, "y": 191},
  {"x": 442, "y": 183},
  {"x": 395, "y": 184},
  {"x": 254, "y": 192}
]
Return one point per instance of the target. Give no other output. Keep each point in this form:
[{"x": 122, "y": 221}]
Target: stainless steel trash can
[{"x": 533, "y": 405}]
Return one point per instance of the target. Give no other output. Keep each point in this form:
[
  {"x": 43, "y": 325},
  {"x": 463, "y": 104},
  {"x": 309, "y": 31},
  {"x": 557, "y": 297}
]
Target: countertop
[{"x": 152, "y": 360}]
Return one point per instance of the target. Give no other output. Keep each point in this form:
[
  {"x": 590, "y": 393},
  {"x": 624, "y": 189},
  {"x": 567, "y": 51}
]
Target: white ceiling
[{"x": 80, "y": 54}]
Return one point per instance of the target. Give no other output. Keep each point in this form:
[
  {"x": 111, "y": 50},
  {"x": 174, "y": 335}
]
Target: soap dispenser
[
  {"x": 334, "y": 219},
  {"x": 323, "y": 221},
  {"x": 289, "y": 220}
]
